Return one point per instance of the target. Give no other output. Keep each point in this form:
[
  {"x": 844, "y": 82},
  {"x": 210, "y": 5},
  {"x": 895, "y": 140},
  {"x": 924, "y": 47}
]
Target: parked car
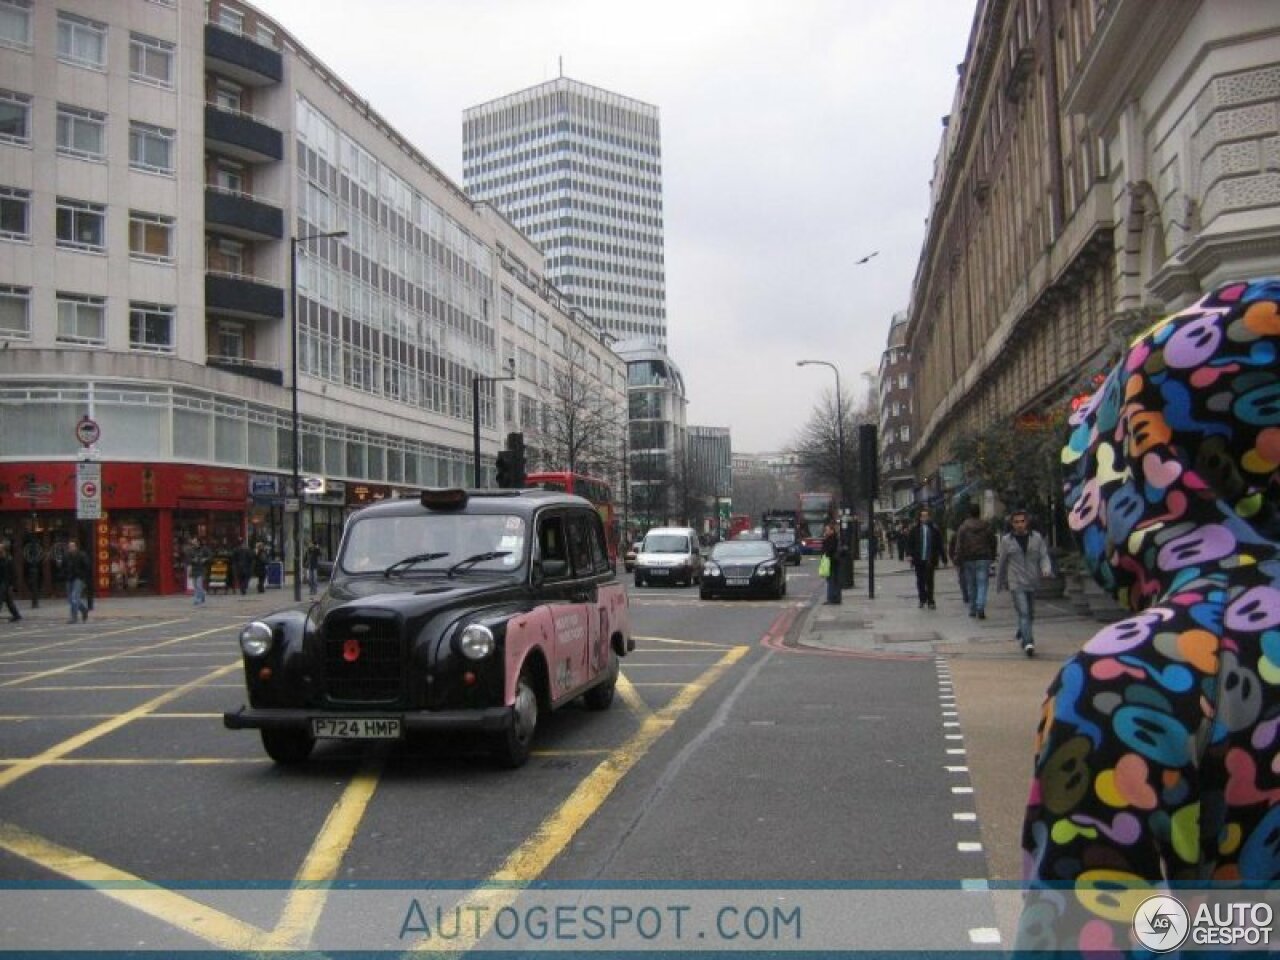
[
  {"x": 629, "y": 558},
  {"x": 744, "y": 568},
  {"x": 669, "y": 555},
  {"x": 458, "y": 611},
  {"x": 787, "y": 545}
]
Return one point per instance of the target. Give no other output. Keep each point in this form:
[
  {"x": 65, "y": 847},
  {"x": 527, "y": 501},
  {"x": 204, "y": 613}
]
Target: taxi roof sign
[{"x": 443, "y": 498}]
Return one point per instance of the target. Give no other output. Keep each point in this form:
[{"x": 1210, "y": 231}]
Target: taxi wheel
[
  {"x": 601, "y": 697},
  {"x": 287, "y": 747},
  {"x": 639, "y": 580},
  {"x": 515, "y": 743}
]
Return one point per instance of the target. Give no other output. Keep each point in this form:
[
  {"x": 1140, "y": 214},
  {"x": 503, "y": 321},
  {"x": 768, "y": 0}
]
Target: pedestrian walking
[
  {"x": 242, "y": 566},
  {"x": 1021, "y": 560},
  {"x": 311, "y": 561},
  {"x": 951, "y": 552},
  {"x": 198, "y": 558},
  {"x": 260, "y": 557},
  {"x": 973, "y": 550},
  {"x": 831, "y": 554},
  {"x": 7, "y": 578},
  {"x": 78, "y": 571},
  {"x": 925, "y": 548},
  {"x": 1156, "y": 764}
]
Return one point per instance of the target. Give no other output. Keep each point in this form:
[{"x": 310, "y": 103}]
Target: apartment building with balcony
[
  {"x": 160, "y": 163},
  {"x": 657, "y": 438},
  {"x": 1101, "y": 166},
  {"x": 894, "y": 406}
]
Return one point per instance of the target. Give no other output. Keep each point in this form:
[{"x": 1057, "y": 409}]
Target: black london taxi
[{"x": 462, "y": 610}]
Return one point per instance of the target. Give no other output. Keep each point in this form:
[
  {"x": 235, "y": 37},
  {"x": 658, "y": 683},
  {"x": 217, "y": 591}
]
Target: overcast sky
[{"x": 797, "y": 137}]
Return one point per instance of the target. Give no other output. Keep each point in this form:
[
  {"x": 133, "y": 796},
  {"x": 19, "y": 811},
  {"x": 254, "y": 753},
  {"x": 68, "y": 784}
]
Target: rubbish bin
[{"x": 848, "y": 551}]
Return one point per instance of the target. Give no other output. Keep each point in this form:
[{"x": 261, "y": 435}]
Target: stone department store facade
[{"x": 1102, "y": 165}]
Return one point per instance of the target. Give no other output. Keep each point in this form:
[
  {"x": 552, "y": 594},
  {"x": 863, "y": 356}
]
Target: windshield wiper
[
  {"x": 477, "y": 558},
  {"x": 412, "y": 559}
]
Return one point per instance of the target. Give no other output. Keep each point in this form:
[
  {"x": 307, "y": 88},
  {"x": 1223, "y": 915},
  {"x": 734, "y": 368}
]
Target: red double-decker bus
[
  {"x": 815, "y": 509},
  {"x": 589, "y": 488}
]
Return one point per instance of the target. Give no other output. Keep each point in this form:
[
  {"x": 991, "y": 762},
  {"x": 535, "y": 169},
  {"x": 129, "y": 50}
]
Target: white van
[{"x": 669, "y": 555}]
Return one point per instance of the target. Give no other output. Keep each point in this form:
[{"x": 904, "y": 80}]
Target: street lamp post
[
  {"x": 840, "y": 466},
  {"x": 295, "y": 491},
  {"x": 844, "y": 492},
  {"x": 475, "y": 414}
]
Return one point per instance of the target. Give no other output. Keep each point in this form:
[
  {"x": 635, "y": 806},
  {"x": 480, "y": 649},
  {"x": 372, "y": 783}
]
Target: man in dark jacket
[
  {"x": 6, "y": 583},
  {"x": 78, "y": 573},
  {"x": 974, "y": 549},
  {"x": 242, "y": 566},
  {"x": 260, "y": 558},
  {"x": 924, "y": 547}
]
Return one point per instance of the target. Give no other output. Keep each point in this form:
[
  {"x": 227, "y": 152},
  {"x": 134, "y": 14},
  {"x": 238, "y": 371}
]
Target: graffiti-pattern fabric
[{"x": 1158, "y": 753}]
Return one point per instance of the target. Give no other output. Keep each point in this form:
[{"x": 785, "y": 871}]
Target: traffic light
[
  {"x": 868, "y": 460},
  {"x": 510, "y": 472},
  {"x": 505, "y": 473}
]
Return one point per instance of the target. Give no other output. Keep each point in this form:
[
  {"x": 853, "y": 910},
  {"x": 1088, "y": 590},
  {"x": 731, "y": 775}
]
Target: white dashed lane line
[{"x": 966, "y": 819}]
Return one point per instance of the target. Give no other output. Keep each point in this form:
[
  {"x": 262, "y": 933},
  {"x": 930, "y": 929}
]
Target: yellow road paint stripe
[
  {"x": 635, "y": 703},
  {"x": 60, "y": 750},
  {"x": 302, "y": 911},
  {"x": 533, "y": 857},
  {"x": 114, "y": 656},
  {"x": 206, "y": 923},
  {"x": 95, "y": 637}
]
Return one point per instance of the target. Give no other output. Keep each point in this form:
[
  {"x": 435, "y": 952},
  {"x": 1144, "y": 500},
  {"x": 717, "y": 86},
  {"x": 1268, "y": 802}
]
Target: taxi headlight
[
  {"x": 255, "y": 639},
  {"x": 476, "y": 641}
]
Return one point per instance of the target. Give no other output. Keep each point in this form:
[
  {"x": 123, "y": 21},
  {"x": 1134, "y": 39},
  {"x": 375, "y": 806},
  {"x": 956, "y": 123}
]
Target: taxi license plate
[
  {"x": 356, "y": 728},
  {"x": 738, "y": 581}
]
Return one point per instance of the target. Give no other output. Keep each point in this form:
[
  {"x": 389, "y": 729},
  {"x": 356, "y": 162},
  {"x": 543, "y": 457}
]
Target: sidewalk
[
  {"x": 893, "y": 622},
  {"x": 117, "y": 609}
]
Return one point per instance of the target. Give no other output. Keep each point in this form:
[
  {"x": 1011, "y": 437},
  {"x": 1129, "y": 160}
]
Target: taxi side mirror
[{"x": 555, "y": 568}]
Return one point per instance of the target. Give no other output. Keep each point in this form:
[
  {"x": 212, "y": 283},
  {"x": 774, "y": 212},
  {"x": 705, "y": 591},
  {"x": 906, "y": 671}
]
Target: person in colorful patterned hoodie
[{"x": 1158, "y": 753}]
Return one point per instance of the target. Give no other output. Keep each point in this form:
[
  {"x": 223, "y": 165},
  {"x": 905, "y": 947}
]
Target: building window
[
  {"x": 80, "y": 225},
  {"x": 15, "y": 117},
  {"x": 82, "y": 133},
  {"x": 150, "y": 237},
  {"x": 15, "y": 222},
  {"x": 15, "y": 23},
  {"x": 227, "y": 96},
  {"x": 230, "y": 19},
  {"x": 82, "y": 320},
  {"x": 150, "y": 148},
  {"x": 15, "y": 313},
  {"x": 228, "y": 176},
  {"x": 150, "y": 60},
  {"x": 231, "y": 340},
  {"x": 150, "y": 327},
  {"x": 82, "y": 42}
]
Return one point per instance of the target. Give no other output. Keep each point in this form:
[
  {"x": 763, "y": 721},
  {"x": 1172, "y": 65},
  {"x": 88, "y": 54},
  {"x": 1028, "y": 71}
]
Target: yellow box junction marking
[{"x": 533, "y": 857}]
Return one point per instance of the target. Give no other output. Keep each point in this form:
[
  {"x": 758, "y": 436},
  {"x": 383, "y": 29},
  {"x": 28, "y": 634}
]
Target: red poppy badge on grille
[{"x": 351, "y": 650}]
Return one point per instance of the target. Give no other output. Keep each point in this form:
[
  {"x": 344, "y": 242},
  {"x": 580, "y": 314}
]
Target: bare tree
[
  {"x": 582, "y": 424},
  {"x": 817, "y": 450}
]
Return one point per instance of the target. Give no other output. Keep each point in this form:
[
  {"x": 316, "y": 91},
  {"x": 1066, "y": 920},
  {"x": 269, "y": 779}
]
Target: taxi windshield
[{"x": 433, "y": 543}]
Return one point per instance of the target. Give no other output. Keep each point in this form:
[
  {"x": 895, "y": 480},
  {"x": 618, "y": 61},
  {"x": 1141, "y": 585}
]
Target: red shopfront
[{"x": 149, "y": 512}]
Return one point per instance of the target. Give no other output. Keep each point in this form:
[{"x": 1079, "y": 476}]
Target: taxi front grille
[{"x": 363, "y": 661}]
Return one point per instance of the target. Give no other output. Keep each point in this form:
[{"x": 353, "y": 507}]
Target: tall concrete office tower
[{"x": 579, "y": 170}]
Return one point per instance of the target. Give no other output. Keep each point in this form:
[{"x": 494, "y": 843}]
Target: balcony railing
[
  {"x": 243, "y": 366},
  {"x": 238, "y": 295},
  {"x": 242, "y": 58},
  {"x": 242, "y": 214},
  {"x": 242, "y": 135}
]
